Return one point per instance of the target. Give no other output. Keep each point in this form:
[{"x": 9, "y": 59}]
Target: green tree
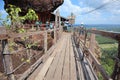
[
  {"x": 31, "y": 15},
  {"x": 16, "y": 20}
]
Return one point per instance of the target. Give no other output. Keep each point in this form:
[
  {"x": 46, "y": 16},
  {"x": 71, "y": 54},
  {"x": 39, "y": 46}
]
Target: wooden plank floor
[
  {"x": 61, "y": 63},
  {"x": 64, "y": 63}
]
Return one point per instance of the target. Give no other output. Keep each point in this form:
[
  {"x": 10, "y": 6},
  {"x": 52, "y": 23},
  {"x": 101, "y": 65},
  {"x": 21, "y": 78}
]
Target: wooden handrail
[
  {"x": 16, "y": 35},
  {"x": 113, "y": 35},
  {"x": 108, "y": 34}
]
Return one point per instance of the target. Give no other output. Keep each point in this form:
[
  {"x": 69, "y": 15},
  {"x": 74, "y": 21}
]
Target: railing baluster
[
  {"x": 7, "y": 60},
  {"x": 45, "y": 41}
]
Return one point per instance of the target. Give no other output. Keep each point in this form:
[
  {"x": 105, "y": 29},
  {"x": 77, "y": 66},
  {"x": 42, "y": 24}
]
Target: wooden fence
[
  {"x": 7, "y": 55},
  {"x": 89, "y": 50}
]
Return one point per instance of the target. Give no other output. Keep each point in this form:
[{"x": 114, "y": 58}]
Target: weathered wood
[
  {"x": 108, "y": 34},
  {"x": 36, "y": 65},
  {"x": 116, "y": 71},
  {"x": 16, "y": 35},
  {"x": 82, "y": 72},
  {"x": 60, "y": 27},
  {"x": 99, "y": 66},
  {"x": 55, "y": 27},
  {"x": 66, "y": 65},
  {"x": 59, "y": 69},
  {"x": 48, "y": 63},
  {"x": 92, "y": 42},
  {"x": 118, "y": 75},
  {"x": 43, "y": 71},
  {"x": 73, "y": 72},
  {"x": 7, "y": 61},
  {"x": 50, "y": 74},
  {"x": 33, "y": 71},
  {"x": 45, "y": 41}
]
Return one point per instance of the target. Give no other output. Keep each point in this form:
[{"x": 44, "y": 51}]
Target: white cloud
[
  {"x": 106, "y": 14},
  {"x": 68, "y": 7}
]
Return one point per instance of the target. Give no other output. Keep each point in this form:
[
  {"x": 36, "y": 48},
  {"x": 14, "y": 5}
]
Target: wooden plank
[
  {"x": 58, "y": 73},
  {"x": 45, "y": 68},
  {"x": 73, "y": 73},
  {"x": 51, "y": 71},
  {"x": 55, "y": 26},
  {"x": 38, "y": 65},
  {"x": 79, "y": 64},
  {"x": 45, "y": 42},
  {"x": 33, "y": 69},
  {"x": 7, "y": 61},
  {"x": 92, "y": 69},
  {"x": 43, "y": 71},
  {"x": 66, "y": 66},
  {"x": 99, "y": 66},
  {"x": 89, "y": 70},
  {"x": 13, "y": 35},
  {"x": 113, "y": 35}
]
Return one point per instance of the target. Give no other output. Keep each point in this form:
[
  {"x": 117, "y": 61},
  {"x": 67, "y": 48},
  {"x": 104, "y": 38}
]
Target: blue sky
[{"x": 109, "y": 14}]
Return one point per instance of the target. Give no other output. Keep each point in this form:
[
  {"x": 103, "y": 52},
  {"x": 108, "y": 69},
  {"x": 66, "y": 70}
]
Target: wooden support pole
[
  {"x": 92, "y": 46},
  {"x": 56, "y": 24},
  {"x": 60, "y": 27},
  {"x": 118, "y": 75},
  {"x": 7, "y": 60},
  {"x": 45, "y": 41},
  {"x": 116, "y": 71},
  {"x": 92, "y": 42}
]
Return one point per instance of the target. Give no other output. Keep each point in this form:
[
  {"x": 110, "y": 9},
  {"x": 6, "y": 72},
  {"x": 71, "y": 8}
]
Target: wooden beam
[
  {"x": 45, "y": 42},
  {"x": 108, "y": 34},
  {"x": 55, "y": 26},
  {"x": 116, "y": 71},
  {"x": 99, "y": 66},
  {"x": 7, "y": 61}
]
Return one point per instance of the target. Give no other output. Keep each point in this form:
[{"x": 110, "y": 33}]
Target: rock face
[
  {"x": 37, "y": 5},
  {"x": 41, "y": 7}
]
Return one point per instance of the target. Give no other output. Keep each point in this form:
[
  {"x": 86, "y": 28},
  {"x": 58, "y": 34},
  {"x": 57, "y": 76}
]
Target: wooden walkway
[{"x": 63, "y": 64}]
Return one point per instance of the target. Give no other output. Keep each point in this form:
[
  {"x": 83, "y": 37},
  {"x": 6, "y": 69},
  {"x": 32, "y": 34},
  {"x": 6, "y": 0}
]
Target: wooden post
[
  {"x": 92, "y": 41},
  {"x": 116, "y": 71},
  {"x": 118, "y": 64},
  {"x": 60, "y": 27},
  {"x": 56, "y": 24},
  {"x": 7, "y": 60},
  {"x": 92, "y": 46},
  {"x": 45, "y": 41}
]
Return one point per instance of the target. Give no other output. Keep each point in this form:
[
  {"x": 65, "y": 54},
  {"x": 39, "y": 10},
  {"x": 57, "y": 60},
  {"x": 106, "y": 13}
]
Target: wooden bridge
[{"x": 69, "y": 58}]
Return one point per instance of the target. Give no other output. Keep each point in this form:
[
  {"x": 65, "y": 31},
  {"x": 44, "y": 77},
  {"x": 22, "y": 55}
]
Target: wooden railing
[
  {"x": 7, "y": 56},
  {"x": 89, "y": 50}
]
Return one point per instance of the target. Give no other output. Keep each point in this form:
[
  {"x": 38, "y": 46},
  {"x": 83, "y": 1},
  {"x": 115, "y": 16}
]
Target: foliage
[
  {"x": 21, "y": 30},
  {"x": 109, "y": 51},
  {"x": 104, "y": 40},
  {"x": 16, "y": 20},
  {"x": 31, "y": 15}
]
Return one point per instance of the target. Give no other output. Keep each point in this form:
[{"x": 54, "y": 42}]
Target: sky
[{"x": 109, "y": 14}]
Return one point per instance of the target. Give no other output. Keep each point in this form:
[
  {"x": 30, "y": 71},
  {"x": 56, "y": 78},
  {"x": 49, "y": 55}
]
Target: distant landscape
[{"x": 108, "y": 27}]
